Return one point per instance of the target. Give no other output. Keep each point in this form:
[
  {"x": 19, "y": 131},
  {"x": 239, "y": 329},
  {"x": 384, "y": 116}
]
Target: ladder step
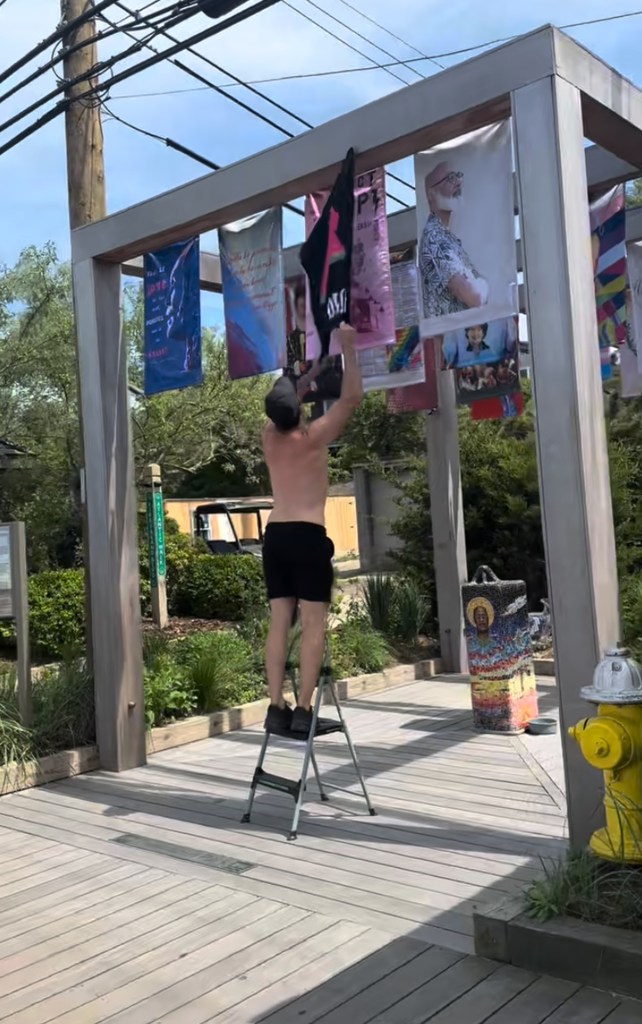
[
  {"x": 278, "y": 782},
  {"x": 325, "y": 726}
]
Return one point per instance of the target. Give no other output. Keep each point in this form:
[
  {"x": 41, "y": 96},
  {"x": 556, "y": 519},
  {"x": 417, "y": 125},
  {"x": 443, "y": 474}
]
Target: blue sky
[{"x": 277, "y": 42}]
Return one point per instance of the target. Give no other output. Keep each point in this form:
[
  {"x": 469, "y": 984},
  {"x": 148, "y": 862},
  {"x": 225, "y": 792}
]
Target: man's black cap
[{"x": 282, "y": 405}]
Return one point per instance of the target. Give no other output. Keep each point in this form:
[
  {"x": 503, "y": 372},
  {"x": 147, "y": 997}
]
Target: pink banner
[{"x": 371, "y": 308}]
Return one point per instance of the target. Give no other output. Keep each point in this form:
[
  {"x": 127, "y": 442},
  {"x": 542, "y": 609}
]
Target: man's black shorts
[{"x": 297, "y": 562}]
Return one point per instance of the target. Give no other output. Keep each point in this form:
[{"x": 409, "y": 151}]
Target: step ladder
[{"x": 320, "y": 727}]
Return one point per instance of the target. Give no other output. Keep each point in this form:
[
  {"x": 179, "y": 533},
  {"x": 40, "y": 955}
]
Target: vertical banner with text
[
  {"x": 253, "y": 294},
  {"x": 371, "y": 309},
  {"x": 172, "y": 318}
]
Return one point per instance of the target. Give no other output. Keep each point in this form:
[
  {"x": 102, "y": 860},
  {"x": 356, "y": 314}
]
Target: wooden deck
[{"x": 140, "y": 898}]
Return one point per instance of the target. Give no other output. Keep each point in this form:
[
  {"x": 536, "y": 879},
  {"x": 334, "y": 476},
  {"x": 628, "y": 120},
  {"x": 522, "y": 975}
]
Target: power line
[
  {"x": 92, "y": 93},
  {"x": 69, "y": 50},
  {"x": 180, "y": 148},
  {"x": 217, "y": 88},
  {"x": 383, "y": 28},
  {"x": 393, "y": 64},
  {"x": 344, "y": 42}
]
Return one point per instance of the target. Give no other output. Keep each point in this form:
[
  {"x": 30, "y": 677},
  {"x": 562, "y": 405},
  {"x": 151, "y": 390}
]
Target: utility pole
[{"x": 86, "y": 189}]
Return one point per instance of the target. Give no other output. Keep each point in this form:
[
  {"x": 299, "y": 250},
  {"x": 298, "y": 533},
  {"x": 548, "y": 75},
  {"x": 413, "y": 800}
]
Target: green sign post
[{"x": 156, "y": 544}]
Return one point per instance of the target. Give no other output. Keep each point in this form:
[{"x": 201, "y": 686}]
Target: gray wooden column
[
  {"x": 575, "y": 491},
  {"x": 111, "y": 512},
  {"x": 447, "y": 514}
]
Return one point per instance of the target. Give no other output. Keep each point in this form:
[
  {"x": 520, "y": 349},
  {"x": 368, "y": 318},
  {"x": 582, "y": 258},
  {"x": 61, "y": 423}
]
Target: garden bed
[{"x": 68, "y": 763}]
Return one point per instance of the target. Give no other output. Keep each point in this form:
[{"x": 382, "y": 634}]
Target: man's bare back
[{"x": 297, "y": 459}]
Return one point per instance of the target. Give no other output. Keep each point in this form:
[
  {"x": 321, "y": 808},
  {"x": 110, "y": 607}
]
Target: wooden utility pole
[
  {"x": 83, "y": 129},
  {"x": 86, "y": 188}
]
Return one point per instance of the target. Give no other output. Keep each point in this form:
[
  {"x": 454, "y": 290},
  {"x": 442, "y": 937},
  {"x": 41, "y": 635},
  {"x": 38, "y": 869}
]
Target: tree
[{"x": 634, "y": 193}]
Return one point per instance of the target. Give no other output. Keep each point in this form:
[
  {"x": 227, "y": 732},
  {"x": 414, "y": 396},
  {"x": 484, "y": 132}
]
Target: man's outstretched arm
[{"x": 328, "y": 428}]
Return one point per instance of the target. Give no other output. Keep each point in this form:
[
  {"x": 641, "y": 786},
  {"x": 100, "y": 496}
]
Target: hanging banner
[
  {"x": 634, "y": 267},
  {"x": 172, "y": 302},
  {"x": 485, "y": 360},
  {"x": 393, "y": 366},
  {"x": 371, "y": 308},
  {"x": 417, "y": 397},
  {"x": 498, "y": 408},
  {"x": 466, "y": 231},
  {"x": 326, "y": 386},
  {"x": 630, "y": 372},
  {"x": 253, "y": 295},
  {"x": 608, "y": 240}
]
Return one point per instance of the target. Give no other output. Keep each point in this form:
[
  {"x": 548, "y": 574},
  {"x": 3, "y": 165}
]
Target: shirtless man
[{"x": 297, "y": 553}]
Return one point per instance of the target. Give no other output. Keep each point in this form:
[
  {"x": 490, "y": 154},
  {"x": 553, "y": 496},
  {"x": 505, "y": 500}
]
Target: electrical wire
[
  {"x": 65, "y": 52},
  {"x": 411, "y": 60},
  {"x": 217, "y": 88},
  {"x": 392, "y": 34},
  {"x": 344, "y": 42},
  {"x": 64, "y": 104},
  {"x": 180, "y": 148}
]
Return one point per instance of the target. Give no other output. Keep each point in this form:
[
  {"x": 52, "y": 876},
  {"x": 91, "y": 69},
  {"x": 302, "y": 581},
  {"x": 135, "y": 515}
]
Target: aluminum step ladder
[{"x": 320, "y": 727}]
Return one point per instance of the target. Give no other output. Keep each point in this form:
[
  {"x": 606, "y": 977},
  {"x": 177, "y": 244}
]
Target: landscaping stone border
[
  {"x": 590, "y": 954},
  {"x": 67, "y": 763}
]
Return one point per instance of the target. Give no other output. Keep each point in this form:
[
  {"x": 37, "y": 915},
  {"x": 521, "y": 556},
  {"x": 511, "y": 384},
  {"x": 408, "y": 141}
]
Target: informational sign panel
[
  {"x": 6, "y": 596},
  {"x": 14, "y": 605}
]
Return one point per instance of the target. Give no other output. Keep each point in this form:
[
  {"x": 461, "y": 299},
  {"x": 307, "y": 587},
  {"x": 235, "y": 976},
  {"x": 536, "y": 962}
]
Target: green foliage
[
  {"x": 57, "y": 611},
  {"x": 225, "y": 587},
  {"x": 373, "y": 437},
  {"x": 584, "y": 887},
  {"x": 169, "y": 694},
  {"x": 180, "y": 552},
  {"x": 222, "y": 669},
  {"x": 396, "y": 606},
  {"x": 355, "y": 648},
  {"x": 63, "y": 708},
  {"x": 16, "y": 742}
]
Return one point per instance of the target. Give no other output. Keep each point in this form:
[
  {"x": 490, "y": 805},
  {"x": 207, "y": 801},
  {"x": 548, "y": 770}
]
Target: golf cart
[{"x": 226, "y": 510}]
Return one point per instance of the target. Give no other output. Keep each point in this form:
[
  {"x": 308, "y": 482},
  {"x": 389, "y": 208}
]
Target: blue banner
[{"x": 173, "y": 318}]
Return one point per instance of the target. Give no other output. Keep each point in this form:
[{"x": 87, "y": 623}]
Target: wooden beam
[
  {"x": 444, "y": 106},
  {"x": 575, "y": 493},
  {"x": 111, "y": 517}
]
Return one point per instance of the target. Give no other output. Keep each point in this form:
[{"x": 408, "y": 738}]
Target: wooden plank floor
[{"x": 140, "y": 898}]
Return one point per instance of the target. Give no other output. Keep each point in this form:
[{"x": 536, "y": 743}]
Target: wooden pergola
[{"x": 557, "y": 94}]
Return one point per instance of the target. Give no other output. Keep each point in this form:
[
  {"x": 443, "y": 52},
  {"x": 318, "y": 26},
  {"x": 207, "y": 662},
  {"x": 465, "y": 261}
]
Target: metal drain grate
[{"x": 209, "y": 860}]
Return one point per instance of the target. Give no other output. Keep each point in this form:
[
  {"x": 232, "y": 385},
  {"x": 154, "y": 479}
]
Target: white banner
[{"x": 466, "y": 231}]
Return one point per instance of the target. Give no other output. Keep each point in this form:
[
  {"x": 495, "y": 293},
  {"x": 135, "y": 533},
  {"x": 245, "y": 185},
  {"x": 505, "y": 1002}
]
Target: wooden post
[
  {"x": 156, "y": 543},
  {"x": 447, "y": 517},
  {"x": 18, "y": 555},
  {"x": 86, "y": 191},
  {"x": 575, "y": 493},
  {"x": 111, "y": 508}
]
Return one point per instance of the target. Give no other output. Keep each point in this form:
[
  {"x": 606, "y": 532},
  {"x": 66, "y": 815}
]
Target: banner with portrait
[
  {"x": 608, "y": 241},
  {"x": 630, "y": 371},
  {"x": 371, "y": 310},
  {"x": 485, "y": 359},
  {"x": 466, "y": 231},
  {"x": 172, "y": 311},
  {"x": 634, "y": 268},
  {"x": 326, "y": 386},
  {"x": 253, "y": 295}
]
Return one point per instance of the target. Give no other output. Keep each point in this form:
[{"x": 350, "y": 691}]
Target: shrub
[
  {"x": 355, "y": 648},
  {"x": 169, "y": 693},
  {"x": 222, "y": 669},
  {"x": 396, "y": 606},
  {"x": 63, "y": 708},
  {"x": 590, "y": 889},
  {"x": 225, "y": 587},
  {"x": 16, "y": 742},
  {"x": 57, "y": 611}
]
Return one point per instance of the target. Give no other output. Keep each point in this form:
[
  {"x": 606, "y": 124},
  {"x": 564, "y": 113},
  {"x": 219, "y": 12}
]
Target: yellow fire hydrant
[{"x": 612, "y": 741}]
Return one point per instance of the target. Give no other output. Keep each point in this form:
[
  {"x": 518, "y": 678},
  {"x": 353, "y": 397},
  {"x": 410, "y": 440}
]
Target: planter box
[
  {"x": 67, "y": 763},
  {"x": 190, "y": 730},
  {"x": 63, "y": 765},
  {"x": 590, "y": 954}
]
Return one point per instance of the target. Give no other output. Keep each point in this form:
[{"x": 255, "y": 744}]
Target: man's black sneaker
[
  {"x": 301, "y": 721},
  {"x": 278, "y": 719}
]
